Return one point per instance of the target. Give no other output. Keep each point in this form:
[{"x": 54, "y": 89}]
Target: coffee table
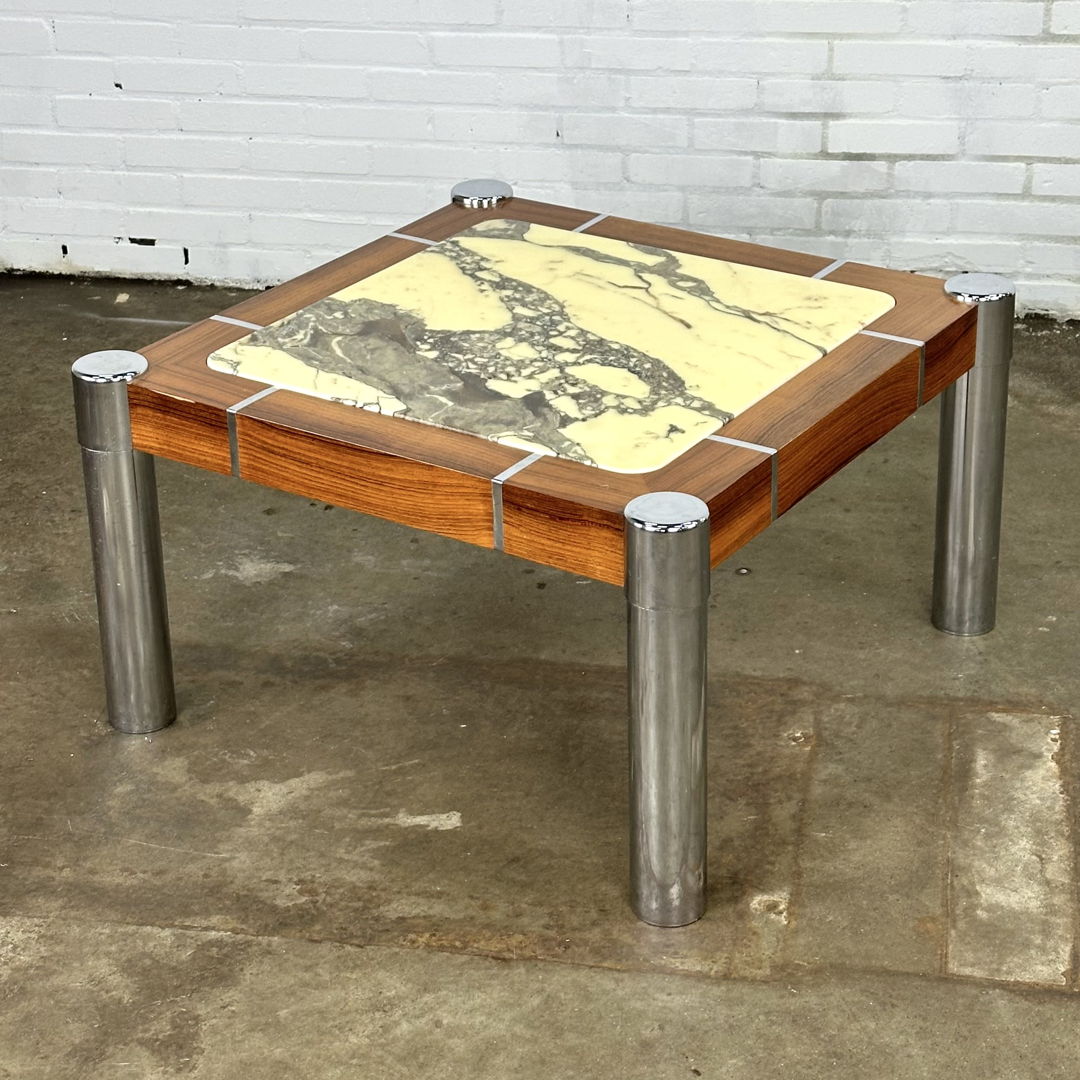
[{"x": 628, "y": 402}]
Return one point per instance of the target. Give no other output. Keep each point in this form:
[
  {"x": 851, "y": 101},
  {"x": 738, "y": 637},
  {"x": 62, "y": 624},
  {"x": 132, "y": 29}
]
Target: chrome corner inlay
[
  {"x": 496, "y": 495},
  {"x": 590, "y": 223},
  {"x": 906, "y": 341},
  {"x": 894, "y": 337},
  {"x": 826, "y": 270},
  {"x": 414, "y": 239},
  {"x": 744, "y": 445},
  {"x": 238, "y": 322},
  {"x": 230, "y": 417},
  {"x": 771, "y": 450}
]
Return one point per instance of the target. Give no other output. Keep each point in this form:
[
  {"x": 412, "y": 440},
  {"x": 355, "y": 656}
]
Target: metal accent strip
[
  {"x": 906, "y": 341},
  {"x": 588, "y": 224},
  {"x": 830, "y": 268},
  {"x": 517, "y": 467},
  {"x": 893, "y": 337},
  {"x": 238, "y": 322},
  {"x": 744, "y": 445},
  {"x": 230, "y": 418},
  {"x": 496, "y": 495},
  {"x": 415, "y": 239},
  {"x": 770, "y": 450}
]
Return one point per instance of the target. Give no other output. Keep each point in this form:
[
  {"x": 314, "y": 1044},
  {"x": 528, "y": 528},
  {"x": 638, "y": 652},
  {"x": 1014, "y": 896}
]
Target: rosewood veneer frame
[{"x": 553, "y": 511}]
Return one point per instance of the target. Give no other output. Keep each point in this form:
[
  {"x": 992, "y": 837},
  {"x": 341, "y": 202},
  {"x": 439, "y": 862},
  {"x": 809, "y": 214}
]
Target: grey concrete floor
[{"x": 386, "y": 836}]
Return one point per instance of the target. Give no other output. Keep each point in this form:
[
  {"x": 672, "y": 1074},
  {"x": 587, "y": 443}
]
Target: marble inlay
[{"x": 614, "y": 354}]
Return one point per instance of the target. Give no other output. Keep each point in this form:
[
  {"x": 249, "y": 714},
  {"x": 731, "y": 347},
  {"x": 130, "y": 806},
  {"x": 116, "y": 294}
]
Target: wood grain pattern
[
  {"x": 414, "y": 493},
  {"x": 924, "y": 312},
  {"x": 187, "y": 431},
  {"x": 713, "y": 247},
  {"x": 557, "y": 512},
  {"x": 560, "y": 513},
  {"x": 845, "y": 431},
  {"x": 172, "y": 372},
  {"x": 952, "y": 354},
  {"x": 740, "y": 510},
  {"x": 388, "y": 435},
  {"x": 564, "y": 533},
  {"x": 832, "y": 411},
  {"x": 736, "y": 483},
  {"x": 178, "y": 408}
]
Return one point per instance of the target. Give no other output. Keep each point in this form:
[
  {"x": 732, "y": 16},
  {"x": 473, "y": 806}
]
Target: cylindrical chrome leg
[
  {"x": 667, "y": 591},
  {"x": 971, "y": 464},
  {"x": 121, "y": 499}
]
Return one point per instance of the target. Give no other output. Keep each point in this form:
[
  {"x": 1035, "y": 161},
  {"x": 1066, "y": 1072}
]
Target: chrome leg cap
[
  {"x": 110, "y": 366},
  {"x": 481, "y": 194},
  {"x": 979, "y": 288}
]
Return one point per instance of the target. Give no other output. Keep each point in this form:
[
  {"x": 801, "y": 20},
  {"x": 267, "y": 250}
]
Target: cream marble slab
[{"x": 614, "y": 354}]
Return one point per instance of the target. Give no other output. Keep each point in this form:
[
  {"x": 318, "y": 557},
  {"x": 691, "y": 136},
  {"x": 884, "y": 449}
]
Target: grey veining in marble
[{"x": 600, "y": 351}]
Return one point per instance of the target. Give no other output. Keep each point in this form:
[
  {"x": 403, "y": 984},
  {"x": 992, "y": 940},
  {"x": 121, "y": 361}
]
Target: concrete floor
[{"x": 386, "y": 837}]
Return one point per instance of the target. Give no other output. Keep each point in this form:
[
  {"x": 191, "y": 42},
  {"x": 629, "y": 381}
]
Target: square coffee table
[{"x": 627, "y": 402}]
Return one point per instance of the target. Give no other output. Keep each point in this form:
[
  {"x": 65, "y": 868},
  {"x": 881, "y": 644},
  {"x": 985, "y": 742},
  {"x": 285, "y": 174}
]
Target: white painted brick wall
[{"x": 251, "y": 139}]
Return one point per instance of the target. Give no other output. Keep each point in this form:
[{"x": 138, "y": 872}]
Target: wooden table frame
[{"x": 657, "y": 533}]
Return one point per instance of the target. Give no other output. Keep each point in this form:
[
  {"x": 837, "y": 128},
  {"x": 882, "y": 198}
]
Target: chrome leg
[
  {"x": 121, "y": 499},
  {"x": 971, "y": 464},
  {"x": 667, "y": 591}
]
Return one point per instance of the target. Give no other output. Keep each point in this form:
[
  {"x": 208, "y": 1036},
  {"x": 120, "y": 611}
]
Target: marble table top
[{"x": 614, "y": 354}]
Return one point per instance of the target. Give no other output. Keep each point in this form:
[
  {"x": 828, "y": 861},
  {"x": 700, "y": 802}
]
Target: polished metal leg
[
  {"x": 971, "y": 464},
  {"x": 125, "y": 536},
  {"x": 667, "y": 591}
]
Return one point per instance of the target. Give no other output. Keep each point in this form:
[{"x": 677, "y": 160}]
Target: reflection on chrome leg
[
  {"x": 972, "y": 463},
  {"x": 121, "y": 498},
  {"x": 667, "y": 591}
]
